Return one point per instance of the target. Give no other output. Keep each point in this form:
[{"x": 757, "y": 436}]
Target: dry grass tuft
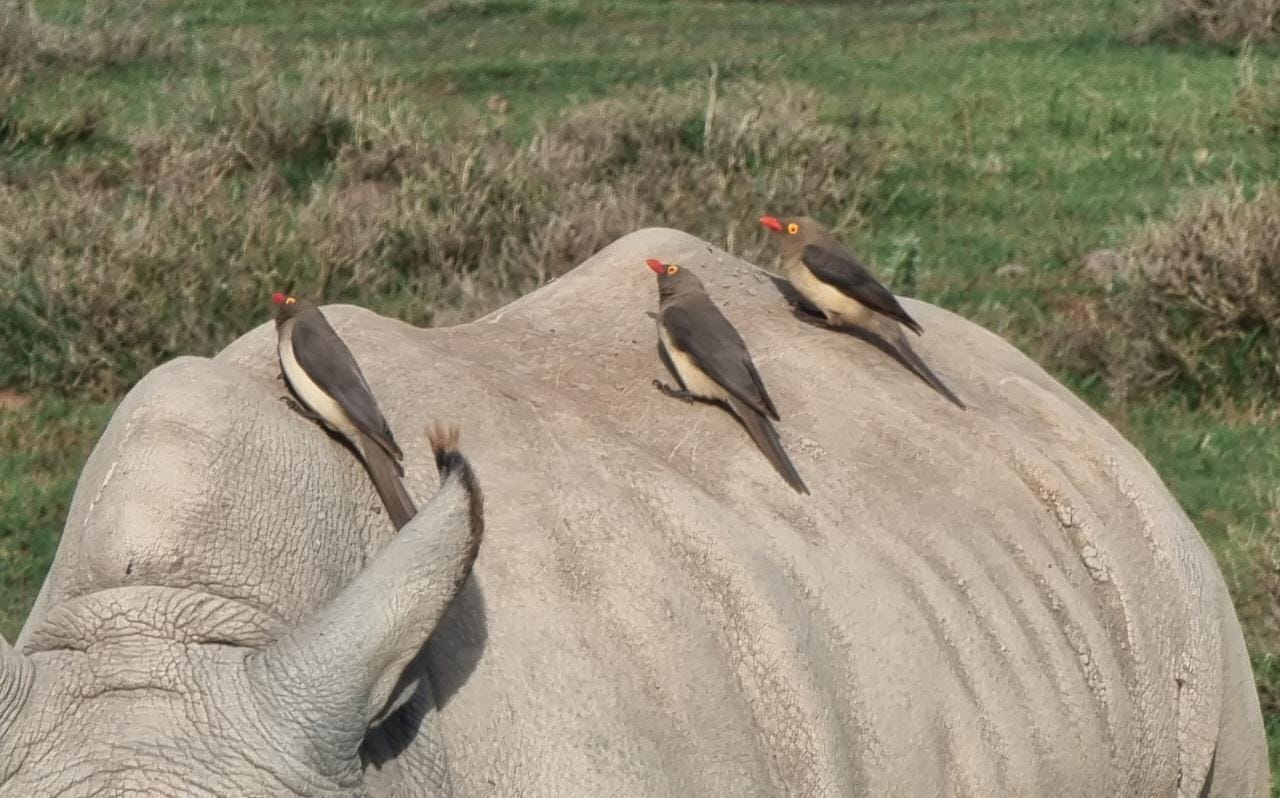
[
  {"x": 1221, "y": 22},
  {"x": 1257, "y": 101},
  {"x": 326, "y": 186},
  {"x": 1197, "y": 307},
  {"x": 111, "y": 33}
]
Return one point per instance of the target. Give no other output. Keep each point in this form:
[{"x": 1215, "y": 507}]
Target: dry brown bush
[
  {"x": 111, "y": 33},
  {"x": 1220, "y": 22},
  {"x": 1197, "y": 307},
  {"x": 1257, "y": 99},
  {"x": 330, "y": 188}
]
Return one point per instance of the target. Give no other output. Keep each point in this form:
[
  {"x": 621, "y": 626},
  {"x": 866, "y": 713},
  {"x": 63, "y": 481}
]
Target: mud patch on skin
[
  {"x": 1068, "y": 498},
  {"x": 811, "y": 448},
  {"x": 806, "y": 527}
]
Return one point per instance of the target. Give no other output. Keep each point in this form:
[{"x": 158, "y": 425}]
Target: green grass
[
  {"x": 1224, "y": 466},
  {"x": 1022, "y": 132},
  {"x": 43, "y": 447}
]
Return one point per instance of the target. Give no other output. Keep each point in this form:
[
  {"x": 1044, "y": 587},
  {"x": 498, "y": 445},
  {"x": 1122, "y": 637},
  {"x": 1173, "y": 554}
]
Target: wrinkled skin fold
[{"x": 1003, "y": 601}]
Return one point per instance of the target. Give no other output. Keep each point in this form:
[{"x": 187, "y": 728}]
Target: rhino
[{"x": 999, "y": 602}]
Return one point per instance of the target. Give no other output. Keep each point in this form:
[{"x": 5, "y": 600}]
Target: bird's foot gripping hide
[
  {"x": 680, "y": 393},
  {"x": 807, "y": 316},
  {"x": 293, "y": 405}
]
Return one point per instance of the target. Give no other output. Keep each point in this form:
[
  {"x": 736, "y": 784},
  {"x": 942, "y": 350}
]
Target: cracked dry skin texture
[{"x": 1004, "y": 601}]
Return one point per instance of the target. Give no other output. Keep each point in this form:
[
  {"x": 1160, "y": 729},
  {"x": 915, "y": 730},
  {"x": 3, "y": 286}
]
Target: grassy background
[{"x": 1001, "y": 140}]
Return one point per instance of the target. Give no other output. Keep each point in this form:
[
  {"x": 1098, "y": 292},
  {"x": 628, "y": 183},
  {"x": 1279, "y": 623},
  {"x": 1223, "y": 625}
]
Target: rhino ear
[
  {"x": 16, "y": 673},
  {"x": 338, "y": 670}
]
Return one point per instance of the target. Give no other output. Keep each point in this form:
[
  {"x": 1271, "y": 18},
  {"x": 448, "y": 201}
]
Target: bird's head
[
  {"x": 287, "y": 306},
  {"x": 672, "y": 277},
  {"x": 793, "y": 232}
]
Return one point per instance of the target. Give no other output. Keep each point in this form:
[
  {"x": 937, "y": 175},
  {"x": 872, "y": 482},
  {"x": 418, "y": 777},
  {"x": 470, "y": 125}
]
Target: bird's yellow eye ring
[
  {"x": 672, "y": 269},
  {"x": 290, "y": 300},
  {"x": 793, "y": 228}
]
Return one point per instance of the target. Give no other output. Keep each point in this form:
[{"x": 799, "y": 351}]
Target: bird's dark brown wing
[
  {"x": 845, "y": 273},
  {"x": 770, "y": 408},
  {"x": 698, "y": 328},
  {"x": 329, "y": 362}
]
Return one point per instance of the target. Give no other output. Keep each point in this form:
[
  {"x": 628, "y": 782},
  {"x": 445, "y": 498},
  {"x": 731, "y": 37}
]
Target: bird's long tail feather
[
  {"x": 385, "y": 473},
  {"x": 922, "y": 370},
  {"x": 766, "y": 438}
]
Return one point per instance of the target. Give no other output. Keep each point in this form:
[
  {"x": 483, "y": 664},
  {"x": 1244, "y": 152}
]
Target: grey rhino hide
[{"x": 1004, "y": 601}]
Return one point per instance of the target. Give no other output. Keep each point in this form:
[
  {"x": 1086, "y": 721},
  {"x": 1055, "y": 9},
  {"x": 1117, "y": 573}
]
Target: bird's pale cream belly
[
  {"x": 829, "y": 300},
  {"x": 316, "y": 400},
  {"x": 695, "y": 379}
]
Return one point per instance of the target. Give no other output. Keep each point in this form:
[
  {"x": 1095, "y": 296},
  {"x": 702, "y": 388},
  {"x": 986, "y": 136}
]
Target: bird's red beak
[
  {"x": 656, "y": 265},
  {"x": 277, "y": 298},
  {"x": 771, "y": 223}
]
